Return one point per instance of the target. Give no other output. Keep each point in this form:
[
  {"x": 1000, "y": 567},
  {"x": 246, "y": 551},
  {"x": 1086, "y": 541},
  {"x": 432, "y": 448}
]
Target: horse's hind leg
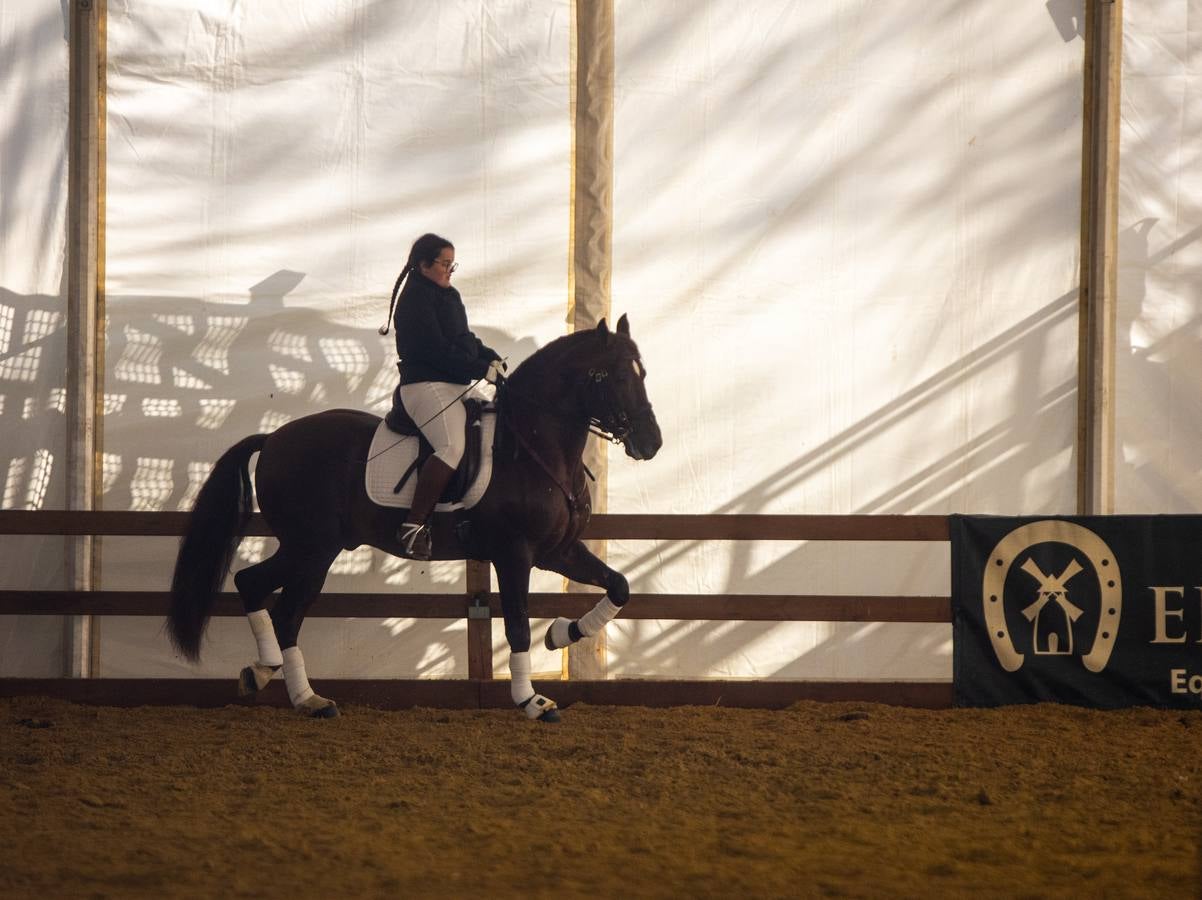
[
  {"x": 258, "y": 582},
  {"x": 579, "y": 564},
  {"x": 255, "y": 584},
  {"x": 301, "y": 588}
]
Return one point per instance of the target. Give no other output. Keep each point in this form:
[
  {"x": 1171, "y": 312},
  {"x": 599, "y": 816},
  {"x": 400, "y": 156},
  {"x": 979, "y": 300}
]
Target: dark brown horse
[{"x": 310, "y": 484}]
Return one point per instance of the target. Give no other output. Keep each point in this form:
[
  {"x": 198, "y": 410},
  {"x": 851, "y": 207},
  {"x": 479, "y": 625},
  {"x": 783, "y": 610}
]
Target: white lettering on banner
[
  {"x": 1179, "y": 683},
  {"x": 1161, "y": 595}
]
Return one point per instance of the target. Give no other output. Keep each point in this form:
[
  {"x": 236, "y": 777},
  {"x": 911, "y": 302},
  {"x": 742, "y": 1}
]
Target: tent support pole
[
  {"x": 1099, "y": 257},
  {"x": 84, "y": 312},
  {"x": 591, "y": 243}
]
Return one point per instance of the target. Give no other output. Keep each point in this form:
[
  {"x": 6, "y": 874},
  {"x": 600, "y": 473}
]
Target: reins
[
  {"x": 510, "y": 419},
  {"x": 595, "y": 426}
]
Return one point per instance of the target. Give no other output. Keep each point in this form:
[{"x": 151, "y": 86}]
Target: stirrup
[{"x": 415, "y": 540}]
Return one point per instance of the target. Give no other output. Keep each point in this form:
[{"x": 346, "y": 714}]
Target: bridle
[{"x": 613, "y": 424}]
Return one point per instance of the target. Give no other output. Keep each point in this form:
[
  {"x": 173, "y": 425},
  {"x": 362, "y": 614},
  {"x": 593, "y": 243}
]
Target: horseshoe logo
[{"x": 1052, "y": 588}]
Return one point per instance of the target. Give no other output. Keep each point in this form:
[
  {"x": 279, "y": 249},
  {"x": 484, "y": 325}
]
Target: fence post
[{"x": 479, "y": 622}]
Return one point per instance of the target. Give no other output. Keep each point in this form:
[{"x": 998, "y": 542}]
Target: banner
[{"x": 1101, "y": 611}]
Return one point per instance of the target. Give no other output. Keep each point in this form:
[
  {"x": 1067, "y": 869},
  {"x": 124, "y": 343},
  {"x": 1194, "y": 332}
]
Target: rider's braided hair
[{"x": 423, "y": 252}]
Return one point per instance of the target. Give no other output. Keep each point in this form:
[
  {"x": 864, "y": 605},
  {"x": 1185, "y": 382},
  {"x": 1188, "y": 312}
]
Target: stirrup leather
[{"x": 415, "y": 540}]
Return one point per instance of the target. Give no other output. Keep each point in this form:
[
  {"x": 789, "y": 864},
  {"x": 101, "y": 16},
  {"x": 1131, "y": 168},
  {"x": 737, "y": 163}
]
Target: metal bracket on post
[{"x": 479, "y": 608}]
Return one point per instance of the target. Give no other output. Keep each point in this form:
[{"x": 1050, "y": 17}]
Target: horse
[{"x": 310, "y": 486}]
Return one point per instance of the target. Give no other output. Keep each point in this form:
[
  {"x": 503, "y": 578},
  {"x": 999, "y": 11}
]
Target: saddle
[{"x": 399, "y": 421}]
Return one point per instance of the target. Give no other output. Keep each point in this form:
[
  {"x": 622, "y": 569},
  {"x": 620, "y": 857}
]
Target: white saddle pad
[{"x": 391, "y": 454}]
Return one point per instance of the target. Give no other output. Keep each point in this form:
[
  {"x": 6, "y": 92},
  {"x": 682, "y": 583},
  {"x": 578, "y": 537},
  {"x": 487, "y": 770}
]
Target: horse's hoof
[
  {"x": 558, "y": 636},
  {"x": 318, "y": 708},
  {"x": 319, "y": 712},
  {"x": 246, "y": 683},
  {"x": 540, "y": 708},
  {"x": 254, "y": 678}
]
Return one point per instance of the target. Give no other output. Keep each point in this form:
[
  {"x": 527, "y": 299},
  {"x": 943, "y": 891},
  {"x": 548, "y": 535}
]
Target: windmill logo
[
  {"x": 1048, "y": 608},
  {"x": 1052, "y": 615}
]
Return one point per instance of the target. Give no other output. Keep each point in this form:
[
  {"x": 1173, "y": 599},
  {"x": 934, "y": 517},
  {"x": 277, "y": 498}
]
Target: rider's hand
[{"x": 496, "y": 371}]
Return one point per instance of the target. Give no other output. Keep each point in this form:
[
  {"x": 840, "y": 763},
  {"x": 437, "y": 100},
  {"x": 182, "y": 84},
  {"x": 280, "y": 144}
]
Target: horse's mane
[{"x": 579, "y": 347}]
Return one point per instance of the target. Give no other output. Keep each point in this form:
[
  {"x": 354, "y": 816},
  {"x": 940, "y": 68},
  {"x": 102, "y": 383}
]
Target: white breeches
[{"x": 435, "y": 408}]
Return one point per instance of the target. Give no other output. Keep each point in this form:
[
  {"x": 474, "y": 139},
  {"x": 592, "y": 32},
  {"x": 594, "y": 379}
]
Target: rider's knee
[{"x": 451, "y": 454}]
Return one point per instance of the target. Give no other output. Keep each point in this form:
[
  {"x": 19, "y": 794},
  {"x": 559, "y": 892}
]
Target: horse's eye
[{"x": 638, "y": 368}]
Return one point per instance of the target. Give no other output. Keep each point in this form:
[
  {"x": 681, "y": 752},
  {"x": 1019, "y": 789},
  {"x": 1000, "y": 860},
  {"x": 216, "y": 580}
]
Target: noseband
[{"x": 614, "y": 423}]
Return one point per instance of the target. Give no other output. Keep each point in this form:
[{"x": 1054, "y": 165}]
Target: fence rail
[
  {"x": 612, "y": 526},
  {"x": 480, "y": 605}
]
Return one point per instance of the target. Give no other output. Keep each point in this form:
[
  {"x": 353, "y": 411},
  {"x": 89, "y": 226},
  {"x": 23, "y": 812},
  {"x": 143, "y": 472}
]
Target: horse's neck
[{"x": 557, "y": 435}]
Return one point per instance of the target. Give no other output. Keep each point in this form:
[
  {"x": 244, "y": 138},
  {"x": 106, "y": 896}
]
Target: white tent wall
[
  {"x": 847, "y": 235},
  {"x": 1157, "y": 364},
  {"x": 33, "y": 336},
  {"x": 267, "y": 172}
]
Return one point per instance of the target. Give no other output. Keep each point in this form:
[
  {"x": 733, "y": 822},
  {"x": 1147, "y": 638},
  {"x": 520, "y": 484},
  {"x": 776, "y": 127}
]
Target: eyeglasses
[{"x": 449, "y": 266}]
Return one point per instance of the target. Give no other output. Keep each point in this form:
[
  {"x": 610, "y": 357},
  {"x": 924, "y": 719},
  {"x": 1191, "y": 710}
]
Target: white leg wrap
[
  {"x": 295, "y": 677},
  {"x": 598, "y": 617},
  {"x": 264, "y": 632},
  {"x": 520, "y": 688}
]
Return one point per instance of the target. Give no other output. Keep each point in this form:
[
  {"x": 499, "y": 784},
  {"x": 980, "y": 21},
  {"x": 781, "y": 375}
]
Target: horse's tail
[{"x": 217, "y": 521}]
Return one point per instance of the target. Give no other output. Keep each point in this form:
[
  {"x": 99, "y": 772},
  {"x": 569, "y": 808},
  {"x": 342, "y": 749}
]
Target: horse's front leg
[
  {"x": 579, "y": 564},
  {"x": 513, "y": 578}
]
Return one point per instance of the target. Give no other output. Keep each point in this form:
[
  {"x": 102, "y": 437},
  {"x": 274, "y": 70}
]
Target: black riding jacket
[{"x": 432, "y": 337}]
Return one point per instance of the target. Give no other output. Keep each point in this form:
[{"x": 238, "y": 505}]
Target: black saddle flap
[{"x": 398, "y": 418}]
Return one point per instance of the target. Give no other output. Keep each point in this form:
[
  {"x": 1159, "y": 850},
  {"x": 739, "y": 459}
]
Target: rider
[{"x": 438, "y": 356}]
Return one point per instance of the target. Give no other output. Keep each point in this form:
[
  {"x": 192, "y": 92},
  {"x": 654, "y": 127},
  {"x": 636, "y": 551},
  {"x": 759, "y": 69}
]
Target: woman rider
[{"x": 438, "y": 356}]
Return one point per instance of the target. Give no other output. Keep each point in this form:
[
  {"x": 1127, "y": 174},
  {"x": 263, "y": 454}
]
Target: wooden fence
[{"x": 480, "y": 605}]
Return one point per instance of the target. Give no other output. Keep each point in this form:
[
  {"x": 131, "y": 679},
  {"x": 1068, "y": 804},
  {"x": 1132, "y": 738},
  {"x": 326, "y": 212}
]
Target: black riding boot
[{"x": 414, "y": 535}]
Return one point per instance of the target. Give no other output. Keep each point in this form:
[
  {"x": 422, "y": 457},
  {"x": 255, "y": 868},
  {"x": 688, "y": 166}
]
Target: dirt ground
[{"x": 818, "y": 800}]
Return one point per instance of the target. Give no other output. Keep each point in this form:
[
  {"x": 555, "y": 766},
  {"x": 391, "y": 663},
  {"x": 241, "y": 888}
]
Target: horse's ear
[
  {"x": 624, "y": 325},
  {"x": 602, "y": 326}
]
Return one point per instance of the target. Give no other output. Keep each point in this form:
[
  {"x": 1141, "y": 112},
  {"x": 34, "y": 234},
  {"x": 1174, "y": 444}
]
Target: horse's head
[{"x": 615, "y": 396}]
